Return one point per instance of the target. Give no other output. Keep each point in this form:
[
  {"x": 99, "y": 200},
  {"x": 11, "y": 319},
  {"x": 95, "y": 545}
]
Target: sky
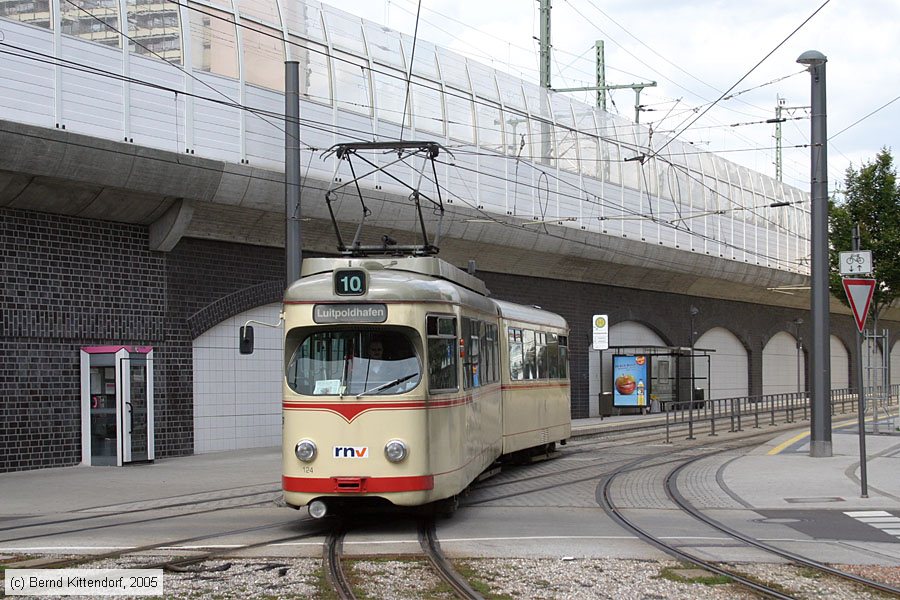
[{"x": 695, "y": 51}]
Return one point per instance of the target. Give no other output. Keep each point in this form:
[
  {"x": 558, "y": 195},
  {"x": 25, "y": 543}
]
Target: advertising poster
[{"x": 630, "y": 380}]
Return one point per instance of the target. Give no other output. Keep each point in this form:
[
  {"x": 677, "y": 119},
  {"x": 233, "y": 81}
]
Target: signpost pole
[
  {"x": 861, "y": 408},
  {"x": 863, "y": 483}
]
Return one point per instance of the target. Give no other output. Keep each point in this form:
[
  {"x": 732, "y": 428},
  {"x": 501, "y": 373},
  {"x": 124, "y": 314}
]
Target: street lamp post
[
  {"x": 694, "y": 312},
  {"x": 797, "y": 323},
  {"x": 820, "y": 354}
]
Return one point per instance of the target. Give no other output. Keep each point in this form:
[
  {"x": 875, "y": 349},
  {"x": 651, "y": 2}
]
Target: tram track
[
  {"x": 108, "y": 513},
  {"x": 616, "y": 513},
  {"x": 151, "y": 519},
  {"x": 586, "y": 446},
  {"x": 119, "y": 553},
  {"x": 340, "y": 582},
  {"x": 675, "y": 495}
]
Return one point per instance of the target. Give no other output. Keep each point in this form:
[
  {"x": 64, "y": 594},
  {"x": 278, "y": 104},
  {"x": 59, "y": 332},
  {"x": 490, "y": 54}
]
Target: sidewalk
[{"x": 777, "y": 474}]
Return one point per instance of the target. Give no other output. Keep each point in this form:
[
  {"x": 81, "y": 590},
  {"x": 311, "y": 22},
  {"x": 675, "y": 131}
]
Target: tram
[{"x": 404, "y": 381}]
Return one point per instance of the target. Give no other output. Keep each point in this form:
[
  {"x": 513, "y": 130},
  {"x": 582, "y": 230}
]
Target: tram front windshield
[{"x": 354, "y": 362}]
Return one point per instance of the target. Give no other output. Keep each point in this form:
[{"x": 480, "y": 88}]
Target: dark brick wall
[
  {"x": 200, "y": 273},
  {"x": 66, "y": 283},
  {"x": 70, "y": 282},
  {"x": 666, "y": 314}
]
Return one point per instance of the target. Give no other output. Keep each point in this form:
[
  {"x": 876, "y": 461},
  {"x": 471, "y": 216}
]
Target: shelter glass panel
[
  {"x": 351, "y": 83},
  {"x": 460, "y": 124},
  {"x": 305, "y": 20},
  {"x": 428, "y": 108},
  {"x": 344, "y": 30},
  {"x": 384, "y": 45},
  {"x": 155, "y": 30},
  {"x": 588, "y": 143},
  {"x": 453, "y": 70},
  {"x": 483, "y": 79},
  {"x": 390, "y": 95},
  {"x": 423, "y": 63},
  {"x": 263, "y": 10},
  {"x": 489, "y": 124},
  {"x": 36, "y": 12},
  {"x": 314, "y": 71},
  {"x": 93, "y": 20},
  {"x": 213, "y": 42},
  {"x": 263, "y": 56}
]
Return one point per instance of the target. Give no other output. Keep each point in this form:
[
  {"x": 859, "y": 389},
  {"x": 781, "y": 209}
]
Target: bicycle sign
[{"x": 858, "y": 262}]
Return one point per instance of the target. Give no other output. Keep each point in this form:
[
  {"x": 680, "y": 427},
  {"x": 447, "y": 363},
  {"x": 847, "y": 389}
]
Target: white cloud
[{"x": 692, "y": 49}]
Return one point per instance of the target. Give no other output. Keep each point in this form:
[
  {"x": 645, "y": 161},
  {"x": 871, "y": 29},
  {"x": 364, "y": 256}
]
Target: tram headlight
[
  {"x": 305, "y": 450},
  {"x": 396, "y": 451}
]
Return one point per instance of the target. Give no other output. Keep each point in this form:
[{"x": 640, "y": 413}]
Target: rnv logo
[{"x": 351, "y": 452}]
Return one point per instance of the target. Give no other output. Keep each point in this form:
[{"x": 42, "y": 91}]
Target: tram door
[{"x": 117, "y": 405}]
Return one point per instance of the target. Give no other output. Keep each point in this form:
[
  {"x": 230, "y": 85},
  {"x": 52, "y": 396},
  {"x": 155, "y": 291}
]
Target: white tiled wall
[
  {"x": 780, "y": 365},
  {"x": 727, "y": 367},
  {"x": 237, "y": 398},
  {"x": 895, "y": 364}
]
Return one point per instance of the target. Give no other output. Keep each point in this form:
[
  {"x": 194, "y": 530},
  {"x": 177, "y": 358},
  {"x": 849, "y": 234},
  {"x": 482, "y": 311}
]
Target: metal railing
[{"x": 757, "y": 411}]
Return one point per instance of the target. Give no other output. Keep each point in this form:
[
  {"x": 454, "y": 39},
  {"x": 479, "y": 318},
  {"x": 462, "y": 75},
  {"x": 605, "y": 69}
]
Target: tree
[{"x": 872, "y": 200}]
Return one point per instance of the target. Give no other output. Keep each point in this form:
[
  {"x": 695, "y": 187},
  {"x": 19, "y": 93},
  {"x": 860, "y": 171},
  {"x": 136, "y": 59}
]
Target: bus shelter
[{"x": 641, "y": 379}]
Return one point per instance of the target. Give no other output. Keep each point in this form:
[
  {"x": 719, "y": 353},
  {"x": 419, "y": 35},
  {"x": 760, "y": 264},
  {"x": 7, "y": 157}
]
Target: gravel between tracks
[{"x": 505, "y": 579}]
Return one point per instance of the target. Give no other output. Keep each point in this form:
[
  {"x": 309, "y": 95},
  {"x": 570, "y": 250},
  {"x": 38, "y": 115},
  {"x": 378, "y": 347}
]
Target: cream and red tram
[{"x": 404, "y": 381}]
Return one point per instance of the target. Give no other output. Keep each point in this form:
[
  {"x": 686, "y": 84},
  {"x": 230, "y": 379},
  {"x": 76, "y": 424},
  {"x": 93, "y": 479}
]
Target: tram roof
[
  {"x": 530, "y": 314},
  {"x": 394, "y": 278},
  {"x": 430, "y": 266}
]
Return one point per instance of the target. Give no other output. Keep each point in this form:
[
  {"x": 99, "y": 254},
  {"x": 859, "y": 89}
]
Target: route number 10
[{"x": 350, "y": 282}]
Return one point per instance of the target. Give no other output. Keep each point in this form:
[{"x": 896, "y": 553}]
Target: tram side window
[
  {"x": 530, "y": 354},
  {"x": 489, "y": 351},
  {"x": 472, "y": 368},
  {"x": 442, "y": 373},
  {"x": 516, "y": 358},
  {"x": 553, "y": 355},
  {"x": 540, "y": 342},
  {"x": 563, "y": 357}
]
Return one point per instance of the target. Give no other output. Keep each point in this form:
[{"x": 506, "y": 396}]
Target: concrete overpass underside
[{"x": 179, "y": 196}]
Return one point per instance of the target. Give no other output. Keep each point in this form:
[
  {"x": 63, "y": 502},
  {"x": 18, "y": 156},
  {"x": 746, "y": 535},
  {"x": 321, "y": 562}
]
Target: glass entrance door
[
  {"x": 117, "y": 405},
  {"x": 103, "y": 422},
  {"x": 136, "y": 416}
]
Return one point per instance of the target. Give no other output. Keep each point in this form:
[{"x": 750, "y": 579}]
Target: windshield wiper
[
  {"x": 389, "y": 384},
  {"x": 345, "y": 375}
]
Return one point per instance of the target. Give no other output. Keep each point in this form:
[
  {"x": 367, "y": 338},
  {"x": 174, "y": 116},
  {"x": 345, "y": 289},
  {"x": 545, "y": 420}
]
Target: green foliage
[{"x": 872, "y": 199}]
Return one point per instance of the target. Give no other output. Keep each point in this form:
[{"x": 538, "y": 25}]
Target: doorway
[{"x": 116, "y": 405}]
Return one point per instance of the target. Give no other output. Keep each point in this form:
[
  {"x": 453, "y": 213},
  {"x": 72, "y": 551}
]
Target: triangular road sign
[{"x": 859, "y": 293}]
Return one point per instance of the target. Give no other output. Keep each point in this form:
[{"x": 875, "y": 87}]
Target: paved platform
[
  {"x": 791, "y": 477},
  {"x": 773, "y": 479}
]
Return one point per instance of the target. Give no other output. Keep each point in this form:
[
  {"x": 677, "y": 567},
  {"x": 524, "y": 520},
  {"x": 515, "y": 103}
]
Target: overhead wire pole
[
  {"x": 600, "y": 88},
  {"x": 545, "y": 75},
  {"x": 778, "y": 120},
  {"x": 293, "y": 239},
  {"x": 601, "y": 75}
]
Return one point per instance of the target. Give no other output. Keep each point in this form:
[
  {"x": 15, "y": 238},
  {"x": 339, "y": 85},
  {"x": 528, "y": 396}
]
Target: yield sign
[{"x": 859, "y": 293}]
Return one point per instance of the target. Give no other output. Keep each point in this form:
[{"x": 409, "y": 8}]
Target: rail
[{"x": 735, "y": 413}]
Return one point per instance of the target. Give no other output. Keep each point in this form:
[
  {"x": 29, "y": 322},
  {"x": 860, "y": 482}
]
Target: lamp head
[{"x": 812, "y": 58}]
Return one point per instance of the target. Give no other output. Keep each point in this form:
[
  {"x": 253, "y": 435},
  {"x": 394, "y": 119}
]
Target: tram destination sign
[{"x": 350, "y": 313}]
